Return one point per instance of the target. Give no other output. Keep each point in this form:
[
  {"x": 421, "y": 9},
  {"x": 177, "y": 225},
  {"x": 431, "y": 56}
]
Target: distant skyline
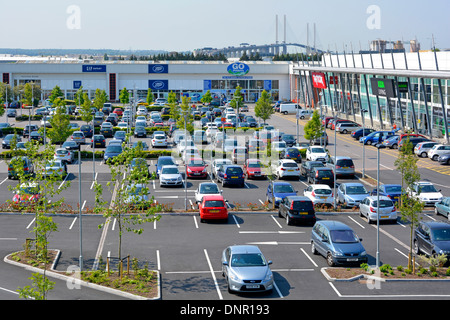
[{"x": 186, "y": 25}]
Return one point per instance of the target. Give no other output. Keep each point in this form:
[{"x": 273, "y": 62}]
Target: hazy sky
[{"x": 184, "y": 25}]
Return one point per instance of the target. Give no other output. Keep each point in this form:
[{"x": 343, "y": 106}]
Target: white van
[{"x": 288, "y": 108}]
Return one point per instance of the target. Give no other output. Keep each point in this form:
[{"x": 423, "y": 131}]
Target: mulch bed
[{"x": 348, "y": 273}]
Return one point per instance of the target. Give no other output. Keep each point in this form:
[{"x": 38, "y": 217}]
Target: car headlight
[
  {"x": 269, "y": 276},
  {"x": 363, "y": 253},
  {"x": 338, "y": 254},
  {"x": 234, "y": 277},
  {"x": 179, "y": 179},
  {"x": 278, "y": 199}
]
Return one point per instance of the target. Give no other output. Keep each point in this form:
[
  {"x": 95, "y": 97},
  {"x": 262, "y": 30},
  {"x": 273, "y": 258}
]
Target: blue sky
[{"x": 182, "y": 25}]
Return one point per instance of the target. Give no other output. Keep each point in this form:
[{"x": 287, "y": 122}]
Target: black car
[
  {"x": 321, "y": 176},
  {"x": 291, "y": 153},
  {"x": 99, "y": 141},
  {"x": 289, "y": 139},
  {"x": 6, "y": 143},
  {"x": 140, "y": 131},
  {"x": 307, "y": 166},
  {"x": 444, "y": 158},
  {"x": 29, "y": 128},
  {"x": 432, "y": 238},
  {"x": 297, "y": 209},
  {"x": 87, "y": 130},
  {"x": 414, "y": 141},
  {"x": 361, "y": 132},
  {"x": 36, "y": 136},
  {"x": 112, "y": 120}
]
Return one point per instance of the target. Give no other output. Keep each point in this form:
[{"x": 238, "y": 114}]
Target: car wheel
[
  {"x": 435, "y": 158},
  {"x": 394, "y": 146},
  {"x": 416, "y": 248},
  {"x": 279, "y": 214},
  {"x": 369, "y": 143},
  {"x": 330, "y": 261},
  {"x": 288, "y": 220},
  {"x": 313, "y": 248}
]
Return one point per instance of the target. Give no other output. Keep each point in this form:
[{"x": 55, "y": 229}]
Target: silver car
[
  {"x": 369, "y": 208},
  {"x": 55, "y": 168},
  {"x": 64, "y": 155},
  {"x": 351, "y": 194},
  {"x": 246, "y": 270},
  {"x": 344, "y": 165},
  {"x": 170, "y": 176}
]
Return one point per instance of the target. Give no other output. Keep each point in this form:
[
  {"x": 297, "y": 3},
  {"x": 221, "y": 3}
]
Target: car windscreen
[
  {"x": 292, "y": 151},
  {"x": 114, "y": 149},
  {"x": 441, "y": 234},
  {"x": 383, "y": 204},
  {"x": 214, "y": 204},
  {"x": 325, "y": 173},
  {"x": 343, "y": 236},
  {"x": 323, "y": 192},
  {"x": 317, "y": 150},
  {"x": 345, "y": 163},
  {"x": 283, "y": 189},
  {"x": 169, "y": 171},
  {"x": 356, "y": 190},
  {"x": 247, "y": 260},
  {"x": 255, "y": 165},
  {"x": 165, "y": 162},
  {"x": 209, "y": 189},
  {"x": 290, "y": 165},
  {"x": 427, "y": 188},
  {"x": 234, "y": 170},
  {"x": 196, "y": 163},
  {"x": 394, "y": 189}
]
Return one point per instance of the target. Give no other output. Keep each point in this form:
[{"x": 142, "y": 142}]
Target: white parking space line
[
  {"x": 195, "y": 221},
  {"x": 310, "y": 259},
  {"x": 356, "y": 222},
  {"x": 158, "y": 260},
  {"x": 3, "y": 181},
  {"x": 427, "y": 215},
  {"x": 213, "y": 275},
  {"x": 62, "y": 183},
  {"x": 278, "y": 290},
  {"x": 274, "y": 219},
  {"x": 82, "y": 207},
  {"x": 235, "y": 221},
  {"x": 73, "y": 222},
  {"x": 32, "y": 221}
]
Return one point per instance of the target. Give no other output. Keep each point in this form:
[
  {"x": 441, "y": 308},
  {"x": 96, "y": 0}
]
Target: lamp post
[
  {"x": 379, "y": 146},
  {"x": 363, "y": 111}
]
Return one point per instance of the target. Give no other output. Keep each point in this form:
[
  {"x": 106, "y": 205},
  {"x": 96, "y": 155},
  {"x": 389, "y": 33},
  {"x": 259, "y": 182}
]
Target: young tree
[
  {"x": 174, "y": 107},
  {"x": 60, "y": 124},
  {"x": 185, "y": 112},
  {"x": 313, "y": 128},
  {"x": 100, "y": 98},
  {"x": 263, "y": 107},
  {"x": 124, "y": 96},
  {"x": 56, "y": 94},
  {"x": 80, "y": 96},
  {"x": 85, "y": 111},
  {"x": 149, "y": 96},
  {"x": 410, "y": 206},
  {"x": 207, "y": 97},
  {"x": 238, "y": 100}
]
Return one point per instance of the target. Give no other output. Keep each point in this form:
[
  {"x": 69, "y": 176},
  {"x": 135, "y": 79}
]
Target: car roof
[
  {"x": 436, "y": 224},
  {"x": 320, "y": 186},
  {"x": 352, "y": 184},
  {"x": 244, "y": 249},
  {"x": 374, "y": 198},
  {"x": 298, "y": 198},
  {"x": 213, "y": 197},
  {"x": 334, "y": 225},
  {"x": 279, "y": 183}
]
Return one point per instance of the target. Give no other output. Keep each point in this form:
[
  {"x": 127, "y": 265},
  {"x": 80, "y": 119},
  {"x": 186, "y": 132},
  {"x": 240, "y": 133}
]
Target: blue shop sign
[
  {"x": 158, "y": 84},
  {"x": 238, "y": 69},
  {"x": 158, "y": 68},
  {"x": 94, "y": 68}
]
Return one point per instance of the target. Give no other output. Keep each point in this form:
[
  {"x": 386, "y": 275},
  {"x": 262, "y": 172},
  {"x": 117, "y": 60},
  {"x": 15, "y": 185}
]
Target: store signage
[
  {"x": 318, "y": 79},
  {"x": 207, "y": 85},
  {"x": 267, "y": 85},
  {"x": 383, "y": 87},
  {"x": 403, "y": 87},
  {"x": 158, "y": 84},
  {"x": 94, "y": 68},
  {"x": 158, "y": 68},
  {"x": 334, "y": 80},
  {"x": 238, "y": 69},
  {"x": 77, "y": 84}
]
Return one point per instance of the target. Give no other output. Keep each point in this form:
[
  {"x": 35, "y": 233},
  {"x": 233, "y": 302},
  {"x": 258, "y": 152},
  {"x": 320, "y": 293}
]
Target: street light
[
  {"x": 379, "y": 146},
  {"x": 363, "y": 111}
]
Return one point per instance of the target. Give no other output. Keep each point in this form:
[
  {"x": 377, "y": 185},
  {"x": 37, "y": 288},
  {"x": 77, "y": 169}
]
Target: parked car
[
  {"x": 391, "y": 142},
  {"x": 426, "y": 193},
  {"x": 292, "y": 154},
  {"x": 138, "y": 167},
  {"x": 438, "y": 150},
  {"x": 319, "y": 194},
  {"x": 344, "y": 166},
  {"x": 111, "y": 152},
  {"x": 78, "y": 137},
  {"x": 432, "y": 238},
  {"x": 213, "y": 207},
  {"x": 36, "y": 136},
  {"x": 254, "y": 168},
  {"x": 218, "y": 163},
  {"x": 443, "y": 207},
  {"x": 444, "y": 158},
  {"x": 164, "y": 161},
  {"x": 297, "y": 209},
  {"x": 87, "y": 130},
  {"x": 307, "y": 166},
  {"x": 196, "y": 168},
  {"x": 70, "y": 145},
  {"x": 392, "y": 191},
  {"x": 239, "y": 154},
  {"x": 170, "y": 176},
  {"x": 277, "y": 191},
  {"x": 421, "y": 149},
  {"x": 29, "y": 194},
  {"x": 361, "y": 132},
  {"x": 289, "y": 139},
  {"x": 98, "y": 141},
  {"x": 376, "y": 137},
  {"x": 18, "y": 161},
  {"x": 137, "y": 196},
  {"x": 334, "y": 124},
  {"x": 29, "y": 128},
  {"x": 338, "y": 243},
  {"x": 206, "y": 188},
  {"x": 159, "y": 140},
  {"x": 320, "y": 175},
  {"x": 255, "y": 145},
  {"x": 350, "y": 194},
  {"x": 9, "y": 138},
  {"x": 347, "y": 127},
  {"x": 120, "y": 135},
  {"x": 106, "y": 129},
  {"x": 287, "y": 168},
  {"x": 55, "y": 168},
  {"x": 64, "y": 155},
  {"x": 373, "y": 211},
  {"x": 316, "y": 154},
  {"x": 414, "y": 141},
  {"x": 231, "y": 175},
  {"x": 246, "y": 269},
  {"x": 118, "y": 111}
]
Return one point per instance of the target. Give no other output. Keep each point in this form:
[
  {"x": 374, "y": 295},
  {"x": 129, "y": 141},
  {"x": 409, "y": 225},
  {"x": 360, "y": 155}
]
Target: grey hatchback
[{"x": 338, "y": 243}]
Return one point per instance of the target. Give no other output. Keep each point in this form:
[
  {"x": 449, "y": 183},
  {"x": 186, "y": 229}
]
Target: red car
[
  {"x": 118, "y": 111},
  {"x": 253, "y": 168},
  {"x": 29, "y": 194},
  {"x": 326, "y": 120},
  {"x": 196, "y": 168},
  {"x": 213, "y": 207}
]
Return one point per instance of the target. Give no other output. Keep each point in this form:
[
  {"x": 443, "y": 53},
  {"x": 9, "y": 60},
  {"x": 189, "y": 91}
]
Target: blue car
[
  {"x": 338, "y": 243},
  {"x": 361, "y": 132},
  {"x": 120, "y": 135},
  {"x": 392, "y": 191},
  {"x": 112, "y": 151},
  {"x": 164, "y": 161},
  {"x": 376, "y": 137},
  {"x": 277, "y": 191},
  {"x": 231, "y": 175}
]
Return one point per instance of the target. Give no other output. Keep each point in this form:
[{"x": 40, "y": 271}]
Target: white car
[
  {"x": 211, "y": 130},
  {"x": 122, "y": 125},
  {"x": 426, "y": 192},
  {"x": 369, "y": 208},
  {"x": 142, "y": 111},
  {"x": 319, "y": 194},
  {"x": 208, "y": 188},
  {"x": 287, "y": 168},
  {"x": 190, "y": 152},
  {"x": 170, "y": 176},
  {"x": 183, "y": 144},
  {"x": 218, "y": 163},
  {"x": 316, "y": 154},
  {"x": 159, "y": 140},
  {"x": 278, "y": 146},
  {"x": 438, "y": 150}
]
